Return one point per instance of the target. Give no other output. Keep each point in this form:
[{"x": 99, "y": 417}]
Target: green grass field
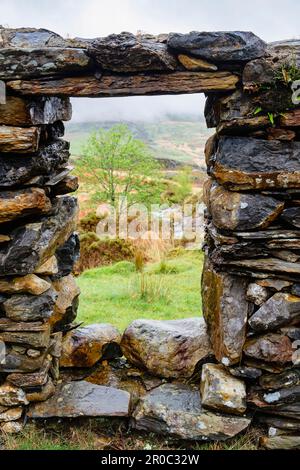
[
  {"x": 110, "y": 434},
  {"x": 112, "y": 294}
]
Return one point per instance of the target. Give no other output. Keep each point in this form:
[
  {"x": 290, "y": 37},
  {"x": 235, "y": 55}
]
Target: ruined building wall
[{"x": 251, "y": 279}]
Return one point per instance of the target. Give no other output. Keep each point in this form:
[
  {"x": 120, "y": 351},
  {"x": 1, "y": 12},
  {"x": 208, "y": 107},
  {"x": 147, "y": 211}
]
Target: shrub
[
  {"x": 166, "y": 268},
  {"x": 151, "y": 288},
  {"x": 95, "y": 252},
  {"x": 89, "y": 222}
]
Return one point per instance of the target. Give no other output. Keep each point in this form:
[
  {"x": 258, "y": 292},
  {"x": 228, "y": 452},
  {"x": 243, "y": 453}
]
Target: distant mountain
[{"x": 181, "y": 139}]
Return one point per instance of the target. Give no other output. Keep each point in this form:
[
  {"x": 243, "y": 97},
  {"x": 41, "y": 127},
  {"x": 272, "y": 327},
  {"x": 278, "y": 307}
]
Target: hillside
[{"x": 179, "y": 139}]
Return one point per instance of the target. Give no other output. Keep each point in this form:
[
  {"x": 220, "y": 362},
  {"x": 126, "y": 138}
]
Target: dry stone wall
[{"x": 251, "y": 278}]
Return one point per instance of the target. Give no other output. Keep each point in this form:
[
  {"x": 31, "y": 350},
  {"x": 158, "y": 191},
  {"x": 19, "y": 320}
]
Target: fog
[
  {"x": 137, "y": 108},
  {"x": 271, "y": 20}
]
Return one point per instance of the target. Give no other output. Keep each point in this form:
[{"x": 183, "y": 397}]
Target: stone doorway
[{"x": 251, "y": 277}]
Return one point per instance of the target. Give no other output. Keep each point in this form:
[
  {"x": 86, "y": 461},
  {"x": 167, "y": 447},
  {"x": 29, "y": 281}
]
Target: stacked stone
[
  {"x": 251, "y": 280},
  {"x": 38, "y": 296},
  {"x": 251, "y": 276}
]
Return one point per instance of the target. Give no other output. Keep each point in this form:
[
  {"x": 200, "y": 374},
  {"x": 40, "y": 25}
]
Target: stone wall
[{"x": 251, "y": 279}]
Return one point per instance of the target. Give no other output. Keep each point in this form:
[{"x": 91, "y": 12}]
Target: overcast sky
[{"x": 270, "y": 19}]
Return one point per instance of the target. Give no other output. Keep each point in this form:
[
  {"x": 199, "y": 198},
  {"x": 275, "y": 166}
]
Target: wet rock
[
  {"x": 48, "y": 268},
  {"x": 57, "y": 177},
  {"x": 270, "y": 348},
  {"x": 33, "y": 353},
  {"x": 292, "y": 332},
  {"x": 36, "y": 335},
  {"x": 126, "y": 52},
  {"x": 257, "y": 294},
  {"x": 15, "y": 362},
  {"x": 285, "y": 255},
  {"x": 195, "y": 64},
  {"x": 280, "y": 134},
  {"x": 291, "y": 118},
  {"x": 67, "y": 185},
  {"x": 271, "y": 235},
  {"x": 288, "y": 411},
  {"x": 234, "y": 106},
  {"x": 53, "y": 132},
  {"x": 219, "y": 237},
  {"x": 176, "y": 410},
  {"x": 66, "y": 305},
  {"x": 66, "y": 256},
  {"x": 30, "y": 284},
  {"x": 48, "y": 61},
  {"x": 167, "y": 348},
  {"x": 291, "y": 215},
  {"x": 12, "y": 396},
  {"x": 33, "y": 380},
  {"x": 287, "y": 425},
  {"x": 244, "y": 126},
  {"x": 12, "y": 427},
  {"x": 86, "y": 346},
  {"x": 54, "y": 372},
  {"x": 259, "y": 72},
  {"x": 4, "y": 238},
  {"x": 220, "y": 391},
  {"x": 275, "y": 284},
  {"x": 219, "y": 46},
  {"x": 247, "y": 163},
  {"x": 56, "y": 344},
  {"x": 25, "y": 202},
  {"x": 281, "y": 56},
  {"x": 296, "y": 290},
  {"x": 42, "y": 393},
  {"x": 280, "y": 442},
  {"x": 27, "y": 38},
  {"x": 20, "y": 112},
  {"x": 235, "y": 113},
  {"x": 267, "y": 265},
  {"x": 17, "y": 170},
  {"x": 125, "y": 84},
  {"x": 289, "y": 378},
  {"x": 237, "y": 211},
  {"x": 32, "y": 244},
  {"x": 273, "y": 400},
  {"x": 209, "y": 150},
  {"x": 29, "y": 307},
  {"x": 122, "y": 376},
  {"x": 3, "y": 298},
  {"x": 225, "y": 310},
  {"x": 77, "y": 399},
  {"x": 270, "y": 367},
  {"x": 19, "y": 139},
  {"x": 244, "y": 372},
  {"x": 12, "y": 414},
  {"x": 281, "y": 309}
]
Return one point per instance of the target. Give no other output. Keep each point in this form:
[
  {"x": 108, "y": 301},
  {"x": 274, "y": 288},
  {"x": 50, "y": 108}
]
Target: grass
[
  {"x": 113, "y": 293},
  {"x": 100, "y": 434}
]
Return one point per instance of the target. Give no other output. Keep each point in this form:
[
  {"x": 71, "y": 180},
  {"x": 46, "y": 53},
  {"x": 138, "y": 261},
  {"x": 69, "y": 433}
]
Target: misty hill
[{"x": 179, "y": 139}]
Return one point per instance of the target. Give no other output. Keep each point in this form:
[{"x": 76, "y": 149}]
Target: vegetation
[
  {"x": 116, "y": 294},
  {"x": 287, "y": 73},
  {"x": 121, "y": 167},
  {"x": 179, "y": 139},
  {"x": 180, "y": 187},
  {"x": 112, "y": 434},
  {"x": 96, "y": 252}
]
